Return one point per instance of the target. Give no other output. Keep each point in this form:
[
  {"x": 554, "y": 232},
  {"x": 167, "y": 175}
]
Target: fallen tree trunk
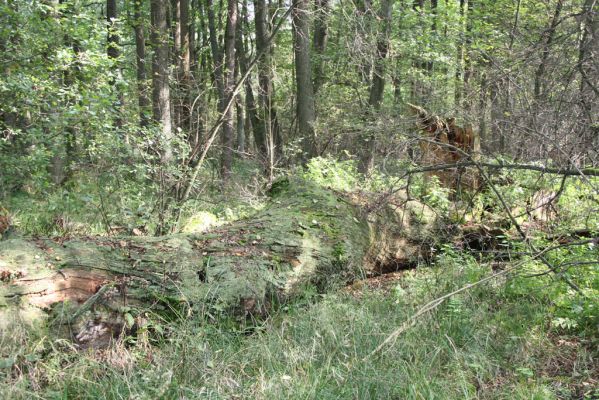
[{"x": 308, "y": 235}]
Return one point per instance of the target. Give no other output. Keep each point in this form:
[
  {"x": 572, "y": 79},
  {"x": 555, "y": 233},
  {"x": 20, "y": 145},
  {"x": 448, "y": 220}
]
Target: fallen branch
[
  {"x": 431, "y": 305},
  {"x": 500, "y": 165}
]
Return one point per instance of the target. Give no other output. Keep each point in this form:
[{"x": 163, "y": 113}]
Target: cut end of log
[{"x": 64, "y": 285}]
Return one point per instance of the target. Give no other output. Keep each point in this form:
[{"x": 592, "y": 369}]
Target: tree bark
[
  {"x": 306, "y": 114},
  {"x": 250, "y": 102},
  {"x": 588, "y": 66},
  {"x": 321, "y": 36},
  {"x": 307, "y": 236},
  {"x": 377, "y": 85},
  {"x": 113, "y": 52},
  {"x": 268, "y": 112},
  {"x": 468, "y": 64},
  {"x": 550, "y": 33},
  {"x": 459, "y": 72},
  {"x": 228, "y": 130},
  {"x": 183, "y": 60},
  {"x": 217, "y": 55},
  {"x": 140, "y": 57},
  {"x": 161, "y": 95},
  {"x": 418, "y": 84},
  {"x": 364, "y": 18}
]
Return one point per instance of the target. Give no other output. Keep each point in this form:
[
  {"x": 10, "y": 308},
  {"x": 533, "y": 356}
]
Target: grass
[
  {"x": 521, "y": 338},
  {"x": 489, "y": 343}
]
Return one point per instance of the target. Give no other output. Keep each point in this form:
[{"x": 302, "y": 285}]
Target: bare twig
[{"x": 433, "y": 304}]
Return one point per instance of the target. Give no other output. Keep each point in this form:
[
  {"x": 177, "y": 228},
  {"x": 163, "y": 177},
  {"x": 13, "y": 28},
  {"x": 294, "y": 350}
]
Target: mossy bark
[{"x": 308, "y": 235}]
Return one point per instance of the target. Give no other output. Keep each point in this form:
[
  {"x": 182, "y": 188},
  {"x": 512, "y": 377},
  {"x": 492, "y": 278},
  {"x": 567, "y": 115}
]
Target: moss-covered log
[{"x": 307, "y": 235}]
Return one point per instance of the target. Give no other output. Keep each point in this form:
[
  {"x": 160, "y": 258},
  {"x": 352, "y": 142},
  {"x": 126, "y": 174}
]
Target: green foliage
[
  {"x": 489, "y": 339},
  {"x": 328, "y": 172}
]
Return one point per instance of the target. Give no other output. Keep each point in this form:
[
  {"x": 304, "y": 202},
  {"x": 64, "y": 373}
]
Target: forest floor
[
  {"x": 521, "y": 335},
  {"x": 492, "y": 342}
]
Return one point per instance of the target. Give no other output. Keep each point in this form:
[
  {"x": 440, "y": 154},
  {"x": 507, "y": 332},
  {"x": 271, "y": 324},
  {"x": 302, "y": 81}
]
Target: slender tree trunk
[
  {"x": 268, "y": 113},
  {"x": 198, "y": 43},
  {"x": 468, "y": 62},
  {"x": 306, "y": 114},
  {"x": 482, "y": 105},
  {"x": 143, "y": 89},
  {"x": 459, "y": 72},
  {"x": 363, "y": 31},
  {"x": 185, "y": 61},
  {"x": 377, "y": 86},
  {"x": 321, "y": 35},
  {"x": 396, "y": 81},
  {"x": 113, "y": 51},
  {"x": 177, "y": 94},
  {"x": 378, "y": 79},
  {"x": 62, "y": 163},
  {"x": 496, "y": 136},
  {"x": 258, "y": 129},
  {"x": 217, "y": 55},
  {"x": 419, "y": 63},
  {"x": 112, "y": 38},
  {"x": 588, "y": 66},
  {"x": 239, "y": 112},
  {"x": 503, "y": 125},
  {"x": 550, "y": 33},
  {"x": 430, "y": 65},
  {"x": 228, "y": 130},
  {"x": 183, "y": 64},
  {"x": 161, "y": 97},
  {"x": 240, "y": 124}
]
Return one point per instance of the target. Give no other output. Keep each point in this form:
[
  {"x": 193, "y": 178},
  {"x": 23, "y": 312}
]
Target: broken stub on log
[{"x": 446, "y": 143}]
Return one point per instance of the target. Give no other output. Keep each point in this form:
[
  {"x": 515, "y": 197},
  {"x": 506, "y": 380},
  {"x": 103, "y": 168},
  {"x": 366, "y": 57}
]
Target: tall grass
[{"x": 489, "y": 343}]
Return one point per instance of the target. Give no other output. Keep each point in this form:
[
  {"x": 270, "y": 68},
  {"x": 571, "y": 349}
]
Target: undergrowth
[
  {"x": 525, "y": 335},
  {"x": 495, "y": 341}
]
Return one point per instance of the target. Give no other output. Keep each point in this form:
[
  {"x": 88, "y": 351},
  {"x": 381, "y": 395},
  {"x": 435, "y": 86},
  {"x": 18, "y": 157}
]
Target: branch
[
  {"x": 433, "y": 304},
  {"x": 501, "y": 165}
]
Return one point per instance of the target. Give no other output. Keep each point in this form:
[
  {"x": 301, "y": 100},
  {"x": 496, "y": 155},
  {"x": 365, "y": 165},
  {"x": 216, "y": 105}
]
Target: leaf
[
  {"x": 129, "y": 320},
  {"x": 7, "y": 362}
]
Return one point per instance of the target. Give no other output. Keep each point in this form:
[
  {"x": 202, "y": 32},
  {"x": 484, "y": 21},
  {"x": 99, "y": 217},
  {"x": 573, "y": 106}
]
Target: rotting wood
[
  {"x": 308, "y": 235},
  {"x": 447, "y": 143}
]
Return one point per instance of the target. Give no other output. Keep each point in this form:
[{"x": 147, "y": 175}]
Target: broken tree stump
[{"x": 446, "y": 143}]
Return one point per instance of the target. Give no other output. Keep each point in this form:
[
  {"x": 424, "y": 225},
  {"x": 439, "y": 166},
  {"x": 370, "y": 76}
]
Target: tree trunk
[
  {"x": 307, "y": 236},
  {"x": 183, "y": 60},
  {"x": 364, "y": 17},
  {"x": 419, "y": 86},
  {"x": 228, "y": 131},
  {"x": 217, "y": 55},
  {"x": 306, "y": 114},
  {"x": 588, "y": 66},
  {"x": 468, "y": 64},
  {"x": 161, "y": 95},
  {"x": 268, "y": 113},
  {"x": 321, "y": 35},
  {"x": 430, "y": 65},
  {"x": 550, "y": 33},
  {"x": 377, "y": 85},
  {"x": 140, "y": 57},
  {"x": 459, "y": 71},
  {"x": 240, "y": 124},
  {"x": 61, "y": 165},
  {"x": 250, "y": 102},
  {"x": 113, "y": 52}
]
